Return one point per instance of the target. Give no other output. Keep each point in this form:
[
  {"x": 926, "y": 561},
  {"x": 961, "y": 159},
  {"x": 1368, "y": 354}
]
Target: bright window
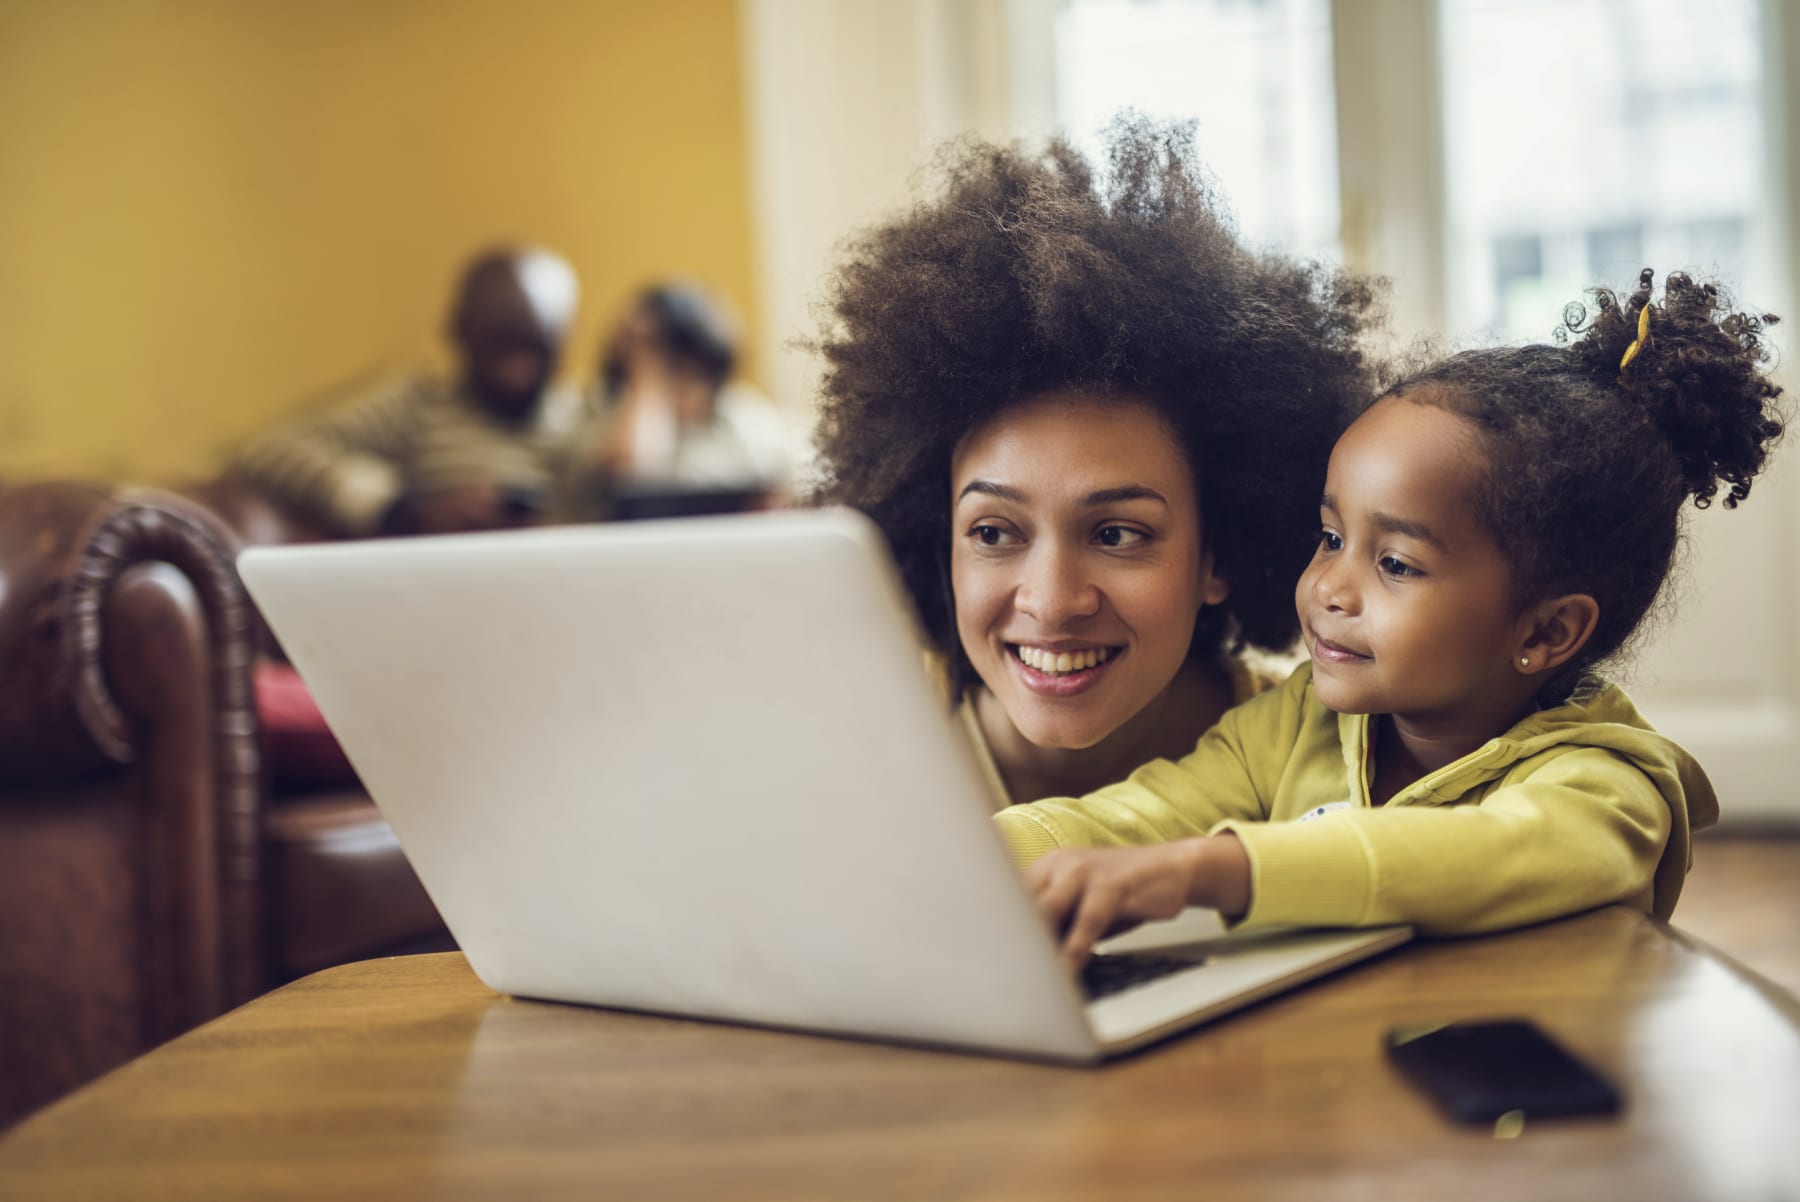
[
  {"x": 1256, "y": 76},
  {"x": 1633, "y": 140}
]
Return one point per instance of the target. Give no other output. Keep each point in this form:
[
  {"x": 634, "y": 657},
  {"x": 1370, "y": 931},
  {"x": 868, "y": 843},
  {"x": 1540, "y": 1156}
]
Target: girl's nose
[
  {"x": 1054, "y": 590},
  {"x": 1334, "y": 588}
]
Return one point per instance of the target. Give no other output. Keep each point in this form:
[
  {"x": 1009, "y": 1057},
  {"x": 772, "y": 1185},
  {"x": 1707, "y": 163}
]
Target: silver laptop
[{"x": 697, "y": 767}]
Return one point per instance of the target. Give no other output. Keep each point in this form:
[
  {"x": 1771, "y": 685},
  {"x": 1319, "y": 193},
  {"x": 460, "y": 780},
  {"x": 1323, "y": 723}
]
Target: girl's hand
[{"x": 1090, "y": 893}]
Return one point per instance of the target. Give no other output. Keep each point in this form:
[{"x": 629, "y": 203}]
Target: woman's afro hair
[{"x": 1030, "y": 274}]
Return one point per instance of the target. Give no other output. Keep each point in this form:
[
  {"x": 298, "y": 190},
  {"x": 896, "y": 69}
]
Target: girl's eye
[
  {"x": 1120, "y": 536},
  {"x": 1393, "y": 567},
  {"x": 993, "y": 536},
  {"x": 1331, "y": 540}
]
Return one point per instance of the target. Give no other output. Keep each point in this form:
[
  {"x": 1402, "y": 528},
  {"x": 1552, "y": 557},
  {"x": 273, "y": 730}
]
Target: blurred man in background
[{"x": 483, "y": 449}]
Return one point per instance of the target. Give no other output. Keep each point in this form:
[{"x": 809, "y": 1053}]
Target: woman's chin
[{"x": 1061, "y": 731}]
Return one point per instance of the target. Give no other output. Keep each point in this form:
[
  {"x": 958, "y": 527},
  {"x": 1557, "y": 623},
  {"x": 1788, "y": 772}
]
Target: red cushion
[{"x": 302, "y": 752}]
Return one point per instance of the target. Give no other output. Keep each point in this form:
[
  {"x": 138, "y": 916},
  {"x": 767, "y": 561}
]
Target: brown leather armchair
[{"x": 148, "y": 880}]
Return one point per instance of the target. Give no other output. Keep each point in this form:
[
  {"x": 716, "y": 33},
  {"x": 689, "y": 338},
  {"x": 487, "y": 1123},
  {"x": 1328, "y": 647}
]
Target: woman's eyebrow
[
  {"x": 1130, "y": 492},
  {"x": 1005, "y": 492},
  {"x": 1104, "y": 496}
]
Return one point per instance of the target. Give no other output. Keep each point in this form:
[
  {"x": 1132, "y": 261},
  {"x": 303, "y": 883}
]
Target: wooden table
[{"x": 407, "y": 1078}]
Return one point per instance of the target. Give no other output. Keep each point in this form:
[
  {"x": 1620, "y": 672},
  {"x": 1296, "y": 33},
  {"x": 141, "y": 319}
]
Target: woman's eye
[
  {"x": 992, "y": 536},
  {"x": 1120, "y": 536},
  {"x": 1331, "y": 540},
  {"x": 1393, "y": 567}
]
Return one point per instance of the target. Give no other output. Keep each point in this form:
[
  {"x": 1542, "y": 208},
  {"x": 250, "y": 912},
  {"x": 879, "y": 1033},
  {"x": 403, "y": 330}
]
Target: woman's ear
[
  {"x": 1555, "y": 631},
  {"x": 1215, "y": 588}
]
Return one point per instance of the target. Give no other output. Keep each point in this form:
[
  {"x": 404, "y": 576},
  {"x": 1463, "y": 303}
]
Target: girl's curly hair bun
[{"x": 1696, "y": 372}]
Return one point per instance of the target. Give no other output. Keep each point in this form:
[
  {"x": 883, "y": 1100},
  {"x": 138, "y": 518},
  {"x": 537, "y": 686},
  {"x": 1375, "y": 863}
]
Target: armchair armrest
[{"x": 131, "y": 849}]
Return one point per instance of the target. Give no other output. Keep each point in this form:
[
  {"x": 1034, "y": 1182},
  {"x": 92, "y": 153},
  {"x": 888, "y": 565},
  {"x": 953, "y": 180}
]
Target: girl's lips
[
  {"x": 1332, "y": 653},
  {"x": 1063, "y": 684}
]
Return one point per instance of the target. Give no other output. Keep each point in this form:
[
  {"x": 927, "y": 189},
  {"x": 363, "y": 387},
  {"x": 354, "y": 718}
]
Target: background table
[{"x": 408, "y": 1078}]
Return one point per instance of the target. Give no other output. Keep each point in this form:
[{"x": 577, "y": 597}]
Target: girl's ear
[{"x": 1554, "y": 631}]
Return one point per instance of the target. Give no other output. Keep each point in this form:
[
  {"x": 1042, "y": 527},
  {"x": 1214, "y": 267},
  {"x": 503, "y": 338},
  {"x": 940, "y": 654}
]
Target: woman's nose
[{"x": 1054, "y": 588}]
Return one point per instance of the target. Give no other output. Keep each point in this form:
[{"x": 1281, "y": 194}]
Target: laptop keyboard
[{"x": 1103, "y": 976}]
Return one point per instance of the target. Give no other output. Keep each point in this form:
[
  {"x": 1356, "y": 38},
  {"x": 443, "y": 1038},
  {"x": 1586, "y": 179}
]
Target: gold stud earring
[{"x": 1524, "y": 661}]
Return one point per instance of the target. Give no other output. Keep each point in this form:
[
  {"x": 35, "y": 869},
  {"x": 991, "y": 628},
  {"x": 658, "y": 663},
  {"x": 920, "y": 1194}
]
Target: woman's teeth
[{"x": 1055, "y": 663}]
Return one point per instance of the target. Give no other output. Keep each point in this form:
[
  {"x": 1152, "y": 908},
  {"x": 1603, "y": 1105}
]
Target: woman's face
[{"x": 1076, "y": 562}]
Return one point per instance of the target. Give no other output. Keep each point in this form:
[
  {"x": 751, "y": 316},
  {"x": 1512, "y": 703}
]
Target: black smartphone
[{"x": 1478, "y": 1071}]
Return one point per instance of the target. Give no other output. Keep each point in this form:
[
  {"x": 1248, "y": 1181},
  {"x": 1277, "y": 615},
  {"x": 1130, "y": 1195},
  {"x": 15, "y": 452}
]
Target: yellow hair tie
[{"x": 1631, "y": 352}]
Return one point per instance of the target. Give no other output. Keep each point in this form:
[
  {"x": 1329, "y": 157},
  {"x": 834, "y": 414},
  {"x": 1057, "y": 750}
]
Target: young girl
[{"x": 1495, "y": 530}]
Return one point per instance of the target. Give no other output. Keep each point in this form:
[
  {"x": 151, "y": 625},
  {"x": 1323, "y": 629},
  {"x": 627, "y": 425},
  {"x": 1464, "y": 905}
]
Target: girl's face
[
  {"x": 1408, "y": 606},
  {"x": 1076, "y": 562}
]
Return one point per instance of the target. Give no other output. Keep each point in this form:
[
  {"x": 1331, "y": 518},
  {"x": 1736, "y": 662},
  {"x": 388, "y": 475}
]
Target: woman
[{"x": 1093, "y": 426}]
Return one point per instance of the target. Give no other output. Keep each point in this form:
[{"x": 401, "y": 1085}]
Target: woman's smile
[{"x": 1050, "y": 672}]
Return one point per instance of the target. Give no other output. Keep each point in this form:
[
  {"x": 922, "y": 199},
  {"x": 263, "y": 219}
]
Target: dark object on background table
[{"x": 638, "y": 504}]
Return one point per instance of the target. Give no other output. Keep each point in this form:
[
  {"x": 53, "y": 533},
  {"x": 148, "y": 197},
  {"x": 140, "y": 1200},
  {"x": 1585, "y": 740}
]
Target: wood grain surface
[{"x": 407, "y": 1078}]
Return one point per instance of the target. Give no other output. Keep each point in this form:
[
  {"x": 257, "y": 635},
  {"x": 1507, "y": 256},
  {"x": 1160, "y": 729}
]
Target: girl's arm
[
  {"x": 1582, "y": 829},
  {"x": 1565, "y": 833}
]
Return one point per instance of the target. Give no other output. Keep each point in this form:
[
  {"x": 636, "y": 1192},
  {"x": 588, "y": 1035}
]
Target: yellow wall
[{"x": 212, "y": 209}]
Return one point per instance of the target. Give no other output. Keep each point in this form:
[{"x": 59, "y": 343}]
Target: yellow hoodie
[{"x": 1572, "y": 808}]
